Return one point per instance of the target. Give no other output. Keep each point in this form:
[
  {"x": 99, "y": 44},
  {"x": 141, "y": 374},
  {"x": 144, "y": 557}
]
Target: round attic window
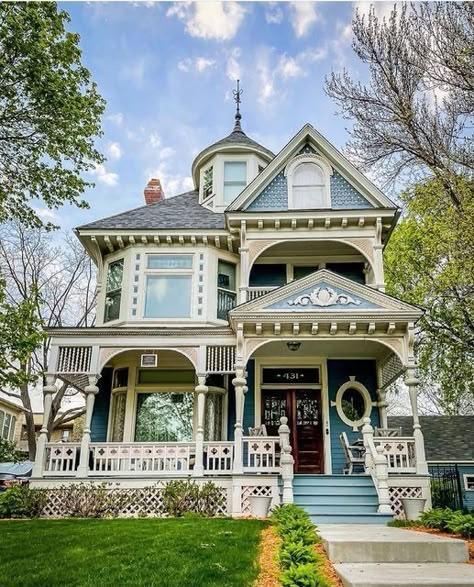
[{"x": 353, "y": 403}]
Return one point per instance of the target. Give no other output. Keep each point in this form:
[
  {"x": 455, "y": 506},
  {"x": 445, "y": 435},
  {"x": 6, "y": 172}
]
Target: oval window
[{"x": 353, "y": 404}]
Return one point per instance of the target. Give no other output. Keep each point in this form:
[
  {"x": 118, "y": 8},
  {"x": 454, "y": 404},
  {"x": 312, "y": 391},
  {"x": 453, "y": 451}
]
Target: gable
[{"x": 349, "y": 188}]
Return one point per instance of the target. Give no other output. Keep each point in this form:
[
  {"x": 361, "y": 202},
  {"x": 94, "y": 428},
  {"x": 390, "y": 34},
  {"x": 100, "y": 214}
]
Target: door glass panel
[
  {"x": 274, "y": 408},
  {"x": 307, "y": 409},
  {"x": 164, "y": 417}
]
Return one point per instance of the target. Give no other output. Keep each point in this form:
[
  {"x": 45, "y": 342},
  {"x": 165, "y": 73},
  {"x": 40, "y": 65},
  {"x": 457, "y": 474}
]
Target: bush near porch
[{"x": 189, "y": 551}]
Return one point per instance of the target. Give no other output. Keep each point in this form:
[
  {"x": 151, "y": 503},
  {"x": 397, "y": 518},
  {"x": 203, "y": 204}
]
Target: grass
[{"x": 166, "y": 553}]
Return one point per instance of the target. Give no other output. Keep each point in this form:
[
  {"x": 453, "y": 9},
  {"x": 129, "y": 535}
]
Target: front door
[{"x": 302, "y": 407}]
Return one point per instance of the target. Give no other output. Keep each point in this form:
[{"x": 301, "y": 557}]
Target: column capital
[{"x": 92, "y": 386}]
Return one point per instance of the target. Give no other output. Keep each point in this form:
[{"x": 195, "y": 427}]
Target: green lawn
[{"x": 165, "y": 553}]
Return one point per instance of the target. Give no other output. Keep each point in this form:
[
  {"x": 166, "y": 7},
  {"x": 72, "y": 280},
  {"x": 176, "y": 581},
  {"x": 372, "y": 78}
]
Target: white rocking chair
[
  {"x": 354, "y": 455},
  {"x": 258, "y": 430},
  {"x": 387, "y": 432}
]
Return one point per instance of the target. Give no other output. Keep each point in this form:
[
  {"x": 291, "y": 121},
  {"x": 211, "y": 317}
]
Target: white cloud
[
  {"x": 273, "y": 13},
  {"x": 172, "y": 183},
  {"x": 114, "y": 150},
  {"x": 234, "y": 69},
  {"x": 155, "y": 140},
  {"x": 134, "y": 72},
  {"x": 266, "y": 75},
  {"x": 166, "y": 153},
  {"x": 303, "y": 15},
  {"x": 382, "y": 9},
  {"x": 46, "y": 213},
  {"x": 209, "y": 20},
  {"x": 289, "y": 67},
  {"x": 199, "y": 64},
  {"x": 116, "y": 118},
  {"x": 105, "y": 176}
]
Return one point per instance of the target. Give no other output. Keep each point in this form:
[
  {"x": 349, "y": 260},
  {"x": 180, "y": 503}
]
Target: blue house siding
[
  {"x": 339, "y": 372},
  {"x": 467, "y": 496},
  {"x": 100, "y": 416},
  {"x": 439, "y": 469}
]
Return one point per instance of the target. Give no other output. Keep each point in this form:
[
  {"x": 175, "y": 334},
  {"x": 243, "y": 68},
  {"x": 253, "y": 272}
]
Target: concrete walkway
[{"x": 380, "y": 556}]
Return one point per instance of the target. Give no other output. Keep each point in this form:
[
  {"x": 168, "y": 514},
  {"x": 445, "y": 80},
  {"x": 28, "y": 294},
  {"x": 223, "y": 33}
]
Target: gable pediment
[
  {"x": 325, "y": 292},
  {"x": 349, "y": 187}
]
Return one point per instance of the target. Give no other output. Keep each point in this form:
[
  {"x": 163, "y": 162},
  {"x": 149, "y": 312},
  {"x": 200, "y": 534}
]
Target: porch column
[
  {"x": 240, "y": 384},
  {"x": 91, "y": 391},
  {"x": 412, "y": 382},
  {"x": 383, "y": 404},
  {"x": 48, "y": 391},
  {"x": 201, "y": 390}
]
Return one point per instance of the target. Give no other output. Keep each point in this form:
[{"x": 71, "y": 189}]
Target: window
[
  {"x": 164, "y": 417},
  {"x": 353, "y": 403},
  {"x": 119, "y": 401},
  {"x": 267, "y": 275},
  {"x": 308, "y": 186},
  {"x": 469, "y": 482},
  {"x": 168, "y": 286},
  {"x": 226, "y": 288},
  {"x": 120, "y": 378},
  {"x": 354, "y": 271},
  {"x": 7, "y": 425},
  {"x": 214, "y": 413},
  {"x": 65, "y": 435},
  {"x": 207, "y": 182},
  {"x": 113, "y": 291},
  {"x": 235, "y": 179}
]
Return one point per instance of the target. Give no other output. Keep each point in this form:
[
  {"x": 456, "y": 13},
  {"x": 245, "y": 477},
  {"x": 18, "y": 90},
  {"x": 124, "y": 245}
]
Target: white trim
[
  {"x": 465, "y": 478},
  {"x": 323, "y": 165},
  {"x": 321, "y": 363},
  {"x": 353, "y": 384}
]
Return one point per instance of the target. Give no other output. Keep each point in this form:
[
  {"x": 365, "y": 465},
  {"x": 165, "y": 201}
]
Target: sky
[{"x": 167, "y": 70}]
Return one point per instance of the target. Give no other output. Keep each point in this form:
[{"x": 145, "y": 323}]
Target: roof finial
[{"x": 237, "y": 93}]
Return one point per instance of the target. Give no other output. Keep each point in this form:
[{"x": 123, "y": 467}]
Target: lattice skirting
[
  {"x": 251, "y": 490},
  {"x": 130, "y": 502},
  {"x": 398, "y": 493}
]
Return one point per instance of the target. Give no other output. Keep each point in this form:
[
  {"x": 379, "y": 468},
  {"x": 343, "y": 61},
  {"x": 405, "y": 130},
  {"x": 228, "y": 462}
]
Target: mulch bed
[
  {"x": 327, "y": 569},
  {"x": 470, "y": 543},
  {"x": 269, "y": 575}
]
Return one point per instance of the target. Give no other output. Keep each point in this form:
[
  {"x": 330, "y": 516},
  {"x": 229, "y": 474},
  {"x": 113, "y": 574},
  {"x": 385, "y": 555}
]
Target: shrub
[
  {"x": 296, "y": 553},
  {"x": 437, "y": 518},
  {"x": 183, "y": 497},
  {"x": 8, "y": 452},
  {"x": 87, "y": 500},
  {"x": 462, "y": 524},
  {"x": 19, "y": 501},
  {"x": 303, "y": 576}
]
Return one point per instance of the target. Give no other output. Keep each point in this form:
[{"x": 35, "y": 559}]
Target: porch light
[{"x": 293, "y": 345}]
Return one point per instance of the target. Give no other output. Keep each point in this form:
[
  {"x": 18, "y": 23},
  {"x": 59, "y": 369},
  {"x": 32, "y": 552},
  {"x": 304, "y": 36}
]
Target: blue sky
[{"x": 167, "y": 71}]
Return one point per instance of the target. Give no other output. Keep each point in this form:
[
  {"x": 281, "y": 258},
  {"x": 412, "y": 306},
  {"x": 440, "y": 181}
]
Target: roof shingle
[{"x": 180, "y": 212}]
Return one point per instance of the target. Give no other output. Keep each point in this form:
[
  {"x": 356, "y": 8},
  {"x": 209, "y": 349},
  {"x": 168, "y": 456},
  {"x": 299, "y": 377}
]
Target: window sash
[
  {"x": 169, "y": 262},
  {"x": 168, "y": 296}
]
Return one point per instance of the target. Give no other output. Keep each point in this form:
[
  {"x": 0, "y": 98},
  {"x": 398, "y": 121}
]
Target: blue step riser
[
  {"x": 335, "y": 500},
  {"x": 356, "y": 510},
  {"x": 323, "y": 480},
  {"x": 340, "y": 491},
  {"x": 348, "y": 519}
]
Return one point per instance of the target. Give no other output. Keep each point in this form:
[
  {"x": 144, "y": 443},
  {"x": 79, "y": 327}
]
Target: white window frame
[
  {"x": 233, "y": 161},
  {"x": 326, "y": 170},
  {"x": 466, "y": 478},
  {"x": 360, "y": 387},
  {"x": 204, "y": 170},
  {"x": 188, "y": 272}
]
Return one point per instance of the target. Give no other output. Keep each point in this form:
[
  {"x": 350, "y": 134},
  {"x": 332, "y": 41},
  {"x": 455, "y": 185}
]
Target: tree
[
  {"x": 48, "y": 283},
  {"x": 430, "y": 261},
  {"x": 413, "y": 118},
  {"x": 49, "y": 112}
]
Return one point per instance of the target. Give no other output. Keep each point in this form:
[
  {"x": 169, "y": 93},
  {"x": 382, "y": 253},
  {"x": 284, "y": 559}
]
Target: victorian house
[{"x": 244, "y": 336}]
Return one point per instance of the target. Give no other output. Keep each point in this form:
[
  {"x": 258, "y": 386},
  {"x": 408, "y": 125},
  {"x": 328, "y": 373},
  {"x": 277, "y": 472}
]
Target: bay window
[
  {"x": 235, "y": 179},
  {"x": 168, "y": 286},
  {"x": 113, "y": 291}
]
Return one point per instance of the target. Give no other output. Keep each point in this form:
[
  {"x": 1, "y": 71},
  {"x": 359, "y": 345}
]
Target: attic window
[
  {"x": 207, "y": 182},
  {"x": 308, "y": 178},
  {"x": 235, "y": 179}
]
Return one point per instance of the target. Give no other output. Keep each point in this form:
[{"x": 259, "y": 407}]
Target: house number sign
[{"x": 310, "y": 376}]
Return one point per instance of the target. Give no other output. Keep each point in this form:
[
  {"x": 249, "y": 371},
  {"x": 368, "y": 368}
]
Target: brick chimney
[{"x": 153, "y": 192}]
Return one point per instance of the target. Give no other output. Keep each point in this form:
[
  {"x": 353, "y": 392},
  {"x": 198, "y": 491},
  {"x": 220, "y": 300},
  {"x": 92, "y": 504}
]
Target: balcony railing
[
  {"x": 400, "y": 453},
  {"x": 257, "y": 292},
  {"x": 226, "y": 300}
]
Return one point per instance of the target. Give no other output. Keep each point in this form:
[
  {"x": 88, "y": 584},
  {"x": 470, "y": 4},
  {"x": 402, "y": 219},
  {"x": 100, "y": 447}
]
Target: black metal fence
[{"x": 446, "y": 490}]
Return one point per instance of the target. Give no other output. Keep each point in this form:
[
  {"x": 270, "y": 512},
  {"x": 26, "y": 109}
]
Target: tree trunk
[{"x": 30, "y": 422}]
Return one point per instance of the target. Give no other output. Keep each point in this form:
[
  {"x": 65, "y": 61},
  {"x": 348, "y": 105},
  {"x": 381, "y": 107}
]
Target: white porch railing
[
  {"x": 400, "y": 453},
  {"x": 257, "y": 292},
  {"x": 261, "y": 454},
  {"x": 376, "y": 465},
  {"x": 218, "y": 457},
  {"x": 110, "y": 458},
  {"x": 62, "y": 459}
]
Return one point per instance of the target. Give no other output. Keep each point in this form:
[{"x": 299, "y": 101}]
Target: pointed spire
[{"x": 237, "y": 93}]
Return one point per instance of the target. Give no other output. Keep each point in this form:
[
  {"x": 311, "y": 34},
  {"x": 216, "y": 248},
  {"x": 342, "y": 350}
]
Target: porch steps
[
  {"x": 377, "y": 556},
  {"x": 338, "y": 499}
]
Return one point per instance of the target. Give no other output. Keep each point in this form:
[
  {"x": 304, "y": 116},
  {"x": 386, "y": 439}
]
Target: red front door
[{"x": 302, "y": 407}]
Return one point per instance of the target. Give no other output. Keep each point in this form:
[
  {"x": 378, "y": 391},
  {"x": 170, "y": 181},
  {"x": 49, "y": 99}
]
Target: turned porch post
[
  {"x": 48, "y": 391},
  {"x": 201, "y": 390},
  {"x": 286, "y": 460},
  {"x": 412, "y": 382},
  {"x": 383, "y": 404},
  {"x": 240, "y": 385},
  {"x": 91, "y": 391}
]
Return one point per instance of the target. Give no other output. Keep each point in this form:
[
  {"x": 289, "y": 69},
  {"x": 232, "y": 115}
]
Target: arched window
[{"x": 308, "y": 183}]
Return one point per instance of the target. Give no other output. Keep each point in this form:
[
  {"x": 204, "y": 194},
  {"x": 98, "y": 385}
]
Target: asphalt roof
[
  {"x": 447, "y": 438},
  {"x": 180, "y": 212}
]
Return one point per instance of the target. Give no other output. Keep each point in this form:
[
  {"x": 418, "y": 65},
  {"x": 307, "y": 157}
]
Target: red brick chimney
[{"x": 153, "y": 192}]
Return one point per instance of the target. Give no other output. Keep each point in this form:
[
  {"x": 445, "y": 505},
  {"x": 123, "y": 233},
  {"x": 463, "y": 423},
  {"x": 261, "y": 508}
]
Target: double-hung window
[
  {"x": 7, "y": 425},
  {"x": 168, "y": 286},
  {"x": 226, "y": 288},
  {"x": 113, "y": 291},
  {"x": 235, "y": 179}
]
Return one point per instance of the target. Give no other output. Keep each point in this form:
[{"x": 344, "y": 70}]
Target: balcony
[{"x": 226, "y": 300}]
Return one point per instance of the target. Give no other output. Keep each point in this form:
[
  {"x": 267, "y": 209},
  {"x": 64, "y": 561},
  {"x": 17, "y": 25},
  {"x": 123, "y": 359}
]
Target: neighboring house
[
  {"x": 450, "y": 461},
  {"x": 68, "y": 432},
  {"x": 257, "y": 295},
  {"x": 10, "y": 420}
]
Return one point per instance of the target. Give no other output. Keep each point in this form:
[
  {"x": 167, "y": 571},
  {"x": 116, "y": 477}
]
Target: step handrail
[{"x": 376, "y": 465}]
